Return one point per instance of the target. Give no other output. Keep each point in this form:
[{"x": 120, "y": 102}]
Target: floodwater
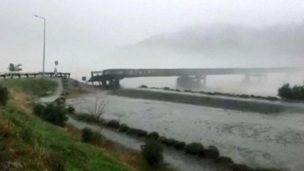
[
  {"x": 178, "y": 160},
  {"x": 268, "y": 86},
  {"x": 255, "y": 139}
]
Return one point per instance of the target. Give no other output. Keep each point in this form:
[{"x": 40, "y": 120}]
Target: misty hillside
[{"x": 280, "y": 40}]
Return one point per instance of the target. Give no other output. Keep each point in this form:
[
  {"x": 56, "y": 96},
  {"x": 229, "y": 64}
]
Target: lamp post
[{"x": 44, "y": 32}]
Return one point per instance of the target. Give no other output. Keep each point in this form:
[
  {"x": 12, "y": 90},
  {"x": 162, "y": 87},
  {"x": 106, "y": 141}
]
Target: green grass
[
  {"x": 34, "y": 86},
  {"x": 33, "y": 140}
]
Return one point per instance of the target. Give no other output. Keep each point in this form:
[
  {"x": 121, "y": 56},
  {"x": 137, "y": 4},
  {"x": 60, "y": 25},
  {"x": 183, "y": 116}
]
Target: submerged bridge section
[{"x": 186, "y": 77}]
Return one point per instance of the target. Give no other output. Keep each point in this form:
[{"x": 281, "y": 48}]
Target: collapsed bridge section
[{"x": 110, "y": 78}]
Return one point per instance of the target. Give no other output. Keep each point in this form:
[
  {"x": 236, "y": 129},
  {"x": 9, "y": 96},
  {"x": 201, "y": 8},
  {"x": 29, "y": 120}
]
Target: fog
[{"x": 95, "y": 35}]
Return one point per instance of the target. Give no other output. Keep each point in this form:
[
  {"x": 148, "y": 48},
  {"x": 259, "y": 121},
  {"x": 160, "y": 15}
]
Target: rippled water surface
[{"x": 251, "y": 138}]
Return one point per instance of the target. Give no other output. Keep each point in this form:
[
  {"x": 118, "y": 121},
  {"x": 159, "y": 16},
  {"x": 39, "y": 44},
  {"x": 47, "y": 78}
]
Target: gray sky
[{"x": 79, "y": 30}]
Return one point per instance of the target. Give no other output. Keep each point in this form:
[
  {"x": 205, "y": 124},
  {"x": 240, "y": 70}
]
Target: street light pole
[{"x": 44, "y": 36}]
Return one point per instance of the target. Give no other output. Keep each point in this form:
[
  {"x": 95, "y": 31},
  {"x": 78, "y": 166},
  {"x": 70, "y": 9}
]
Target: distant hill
[
  {"x": 277, "y": 40},
  {"x": 218, "y": 45}
]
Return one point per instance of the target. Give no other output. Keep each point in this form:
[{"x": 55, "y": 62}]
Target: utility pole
[{"x": 44, "y": 36}]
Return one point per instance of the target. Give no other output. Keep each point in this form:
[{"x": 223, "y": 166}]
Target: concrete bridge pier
[
  {"x": 110, "y": 83},
  {"x": 204, "y": 79},
  {"x": 191, "y": 83},
  {"x": 260, "y": 77}
]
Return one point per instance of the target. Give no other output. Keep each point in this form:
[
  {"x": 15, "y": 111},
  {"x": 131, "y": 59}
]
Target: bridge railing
[
  {"x": 122, "y": 73},
  {"x": 12, "y": 75}
]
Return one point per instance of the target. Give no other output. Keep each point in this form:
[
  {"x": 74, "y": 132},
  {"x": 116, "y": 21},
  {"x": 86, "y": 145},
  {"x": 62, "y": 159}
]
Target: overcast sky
[{"x": 84, "y": 28}]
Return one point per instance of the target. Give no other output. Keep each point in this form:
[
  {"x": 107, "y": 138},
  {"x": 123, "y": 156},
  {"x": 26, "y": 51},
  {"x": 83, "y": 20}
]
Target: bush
[
  {"x": 224, "y": 160},
  {"x": 3, "y": 95},
  {"x": 194, "y": 149},
  {"x": 61, "y": 100},
  {"x": 168, "y": 141},
  {"x": 141, "y": 133},
  {"x": 153, "y": 135},
  {"x": 89, "y": 136},
  {"x": 166, "y": 88},
  {"x": 162, "y": 139},
  {"x": 293, "y": 93},
  {"x": 123, "y": 128},
  {"x": 240, "y": 167},
  {"x": 152, "y": 152},
  {"x": 53, "y": 113},
  {"x": 86, "y": 135},
  {"x": 143, "y": 86},
  {"x": 39, "y": 109},
  {"x": 71, "y": 109},
  {"x": 131, "y": 131},
  {"x": 188, "y": 91},
  {"x": 285, "y": 91},
  {"x": 212, "y": 152},
  {"x": 267, "y": 169},
  {"x": 113, "y": 124},
  {"x": 179, "y": 145}
]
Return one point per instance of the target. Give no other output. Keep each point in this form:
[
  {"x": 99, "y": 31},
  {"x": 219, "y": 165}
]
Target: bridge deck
[{"x": 125, "y": 73}]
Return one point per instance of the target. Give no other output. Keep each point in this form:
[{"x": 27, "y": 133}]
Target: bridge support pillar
[
  {"x": 192, "y": 83},
  {"x": 259, "y": 77},
  {"x": 204, "y": 79},
  {"x": 110, "y": 83}
]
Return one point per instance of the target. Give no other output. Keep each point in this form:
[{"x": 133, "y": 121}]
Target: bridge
[
  {"x": 186, "y": 76},
  {"x": 12, "y": 75}
]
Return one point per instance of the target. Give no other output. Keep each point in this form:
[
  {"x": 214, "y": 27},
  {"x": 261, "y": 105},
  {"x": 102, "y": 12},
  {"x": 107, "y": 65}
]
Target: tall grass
[
  {"x": 36, "y": 87},
  {"x": 32, "y": 144}
]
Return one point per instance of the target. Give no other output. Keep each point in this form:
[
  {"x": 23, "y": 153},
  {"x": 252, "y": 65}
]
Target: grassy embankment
[
  {"x": 29, "y": 143},
  {"x": 33, "y": 87}
]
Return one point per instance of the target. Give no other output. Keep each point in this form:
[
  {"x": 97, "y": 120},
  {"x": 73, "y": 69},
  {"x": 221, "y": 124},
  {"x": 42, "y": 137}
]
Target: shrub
[
  {"x": 86, "y": 135},
  {"x": 143, "y": 86},
  {"x": 285, "y": 91},
  {"x": 294, "y": 93},
  {"x": 212, "y": 152},
  {"x": 188, "y": 91},
  {"x": 3, "y": 95},
  {"x": 54, "y": 113},
  {"x": 267, "y": 169},
  {"x": 240, "y": 167},
  {"x": 123, "y": 128},
  {"x": 131, "y": 131},
  {"x": 153, "y": 135},
  {"x": 152, "y": 152},
  {"x": 162, "y": 139},
  {"x": 71, "y": 109},
  {"x": 194, "y": 148},
  {"x": 224, "y": 160},
  {"x": 39, "y": 109},
  {"x": 179, "y": 145},
  {"x": 166, "y": 88},
  {"x": 89, "y": 136},
  {"x": 113, "y": 124},
  {"x": 60, "y": 100},
  {"x": 141, "y": 133},
  {"x": 169, "y": 141}
]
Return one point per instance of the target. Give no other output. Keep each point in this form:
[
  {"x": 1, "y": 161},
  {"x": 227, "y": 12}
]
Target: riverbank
[
  {"x": 24, "y": 136},
  {"x": 232, "y": 103}
]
